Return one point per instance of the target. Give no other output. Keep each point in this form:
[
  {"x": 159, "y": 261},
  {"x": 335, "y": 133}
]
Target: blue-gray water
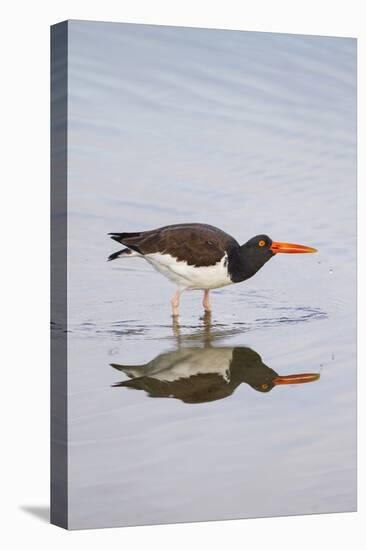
[{"x": 254, "y": 133}]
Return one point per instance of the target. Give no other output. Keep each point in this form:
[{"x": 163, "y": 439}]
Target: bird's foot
[
  {"x": 206, "y": 302},
  {"x": 175, "y": 304}
]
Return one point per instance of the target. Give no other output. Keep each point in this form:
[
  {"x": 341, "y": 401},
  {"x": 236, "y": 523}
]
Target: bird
[
  {"x": 198, "y": 256},
  {"x": 201, "y": 375}
]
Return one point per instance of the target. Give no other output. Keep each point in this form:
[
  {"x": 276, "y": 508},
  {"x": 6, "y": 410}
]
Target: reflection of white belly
[
  {"x": 189, "y": 276},
  {"x": 185, "y": 363}
]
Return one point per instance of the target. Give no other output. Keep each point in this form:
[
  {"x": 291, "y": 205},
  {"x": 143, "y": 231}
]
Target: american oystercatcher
[
  {"x": 197, "y": 256},
  {"x": 200, "y": 375}
]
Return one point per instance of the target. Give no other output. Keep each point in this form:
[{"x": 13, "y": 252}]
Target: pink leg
[
  {"x": 206, "y": 300},
  {"x": 175, "y": 303}
]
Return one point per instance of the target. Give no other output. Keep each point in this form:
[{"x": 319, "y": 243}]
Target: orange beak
[
  {"x": 296, "y": 378},
  {"x": 289, "y": 248}
]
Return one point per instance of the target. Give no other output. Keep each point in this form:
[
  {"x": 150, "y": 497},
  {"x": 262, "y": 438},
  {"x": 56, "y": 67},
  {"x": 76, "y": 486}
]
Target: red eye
[{"x": 261, "y": 243}]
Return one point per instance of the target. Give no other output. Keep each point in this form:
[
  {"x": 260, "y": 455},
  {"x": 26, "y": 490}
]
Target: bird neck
[{"x": 244, "y": 262}]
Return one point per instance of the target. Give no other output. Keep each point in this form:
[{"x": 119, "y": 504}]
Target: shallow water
[{"x": 254, "y": 133}]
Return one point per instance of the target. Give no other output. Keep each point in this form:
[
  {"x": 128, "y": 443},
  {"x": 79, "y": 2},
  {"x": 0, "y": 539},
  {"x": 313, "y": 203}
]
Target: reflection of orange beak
[
  {"x": 296, "y": 378},
  {"x": 289, "y": 248}
]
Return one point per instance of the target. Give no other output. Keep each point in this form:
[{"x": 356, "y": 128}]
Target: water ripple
[{"x": 198, "y": 327}]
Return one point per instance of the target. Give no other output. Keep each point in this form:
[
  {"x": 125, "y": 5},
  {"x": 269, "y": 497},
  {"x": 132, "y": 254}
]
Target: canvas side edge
[{"x": 59, "y": 462}]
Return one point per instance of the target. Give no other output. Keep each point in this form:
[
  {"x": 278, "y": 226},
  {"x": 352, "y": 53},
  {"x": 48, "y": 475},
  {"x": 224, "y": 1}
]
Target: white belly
[{"x": 188, "y": 276}]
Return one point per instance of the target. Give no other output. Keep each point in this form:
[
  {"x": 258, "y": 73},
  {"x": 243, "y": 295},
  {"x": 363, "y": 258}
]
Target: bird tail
[
  {"x": 120, "y": 254},
  {"x": 131, "y": 240},
  {"x": 120, "y": 237}
]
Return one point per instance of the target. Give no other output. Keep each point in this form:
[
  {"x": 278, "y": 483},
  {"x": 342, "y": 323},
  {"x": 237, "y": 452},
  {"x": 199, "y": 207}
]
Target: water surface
[{"x": 254, "y": 133}]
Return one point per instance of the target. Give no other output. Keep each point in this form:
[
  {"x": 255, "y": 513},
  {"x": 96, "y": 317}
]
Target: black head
[
  {"x": 260, "y": 246},
  {"x": 252, "y": 256}
]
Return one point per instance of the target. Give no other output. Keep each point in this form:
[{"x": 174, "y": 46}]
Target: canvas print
[{"x": 203, "y": 274}]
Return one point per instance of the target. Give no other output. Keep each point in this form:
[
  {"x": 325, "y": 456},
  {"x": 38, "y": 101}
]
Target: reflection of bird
[
  {"x": 197, "y": 256},
  {"x": 199, "y": 375}
]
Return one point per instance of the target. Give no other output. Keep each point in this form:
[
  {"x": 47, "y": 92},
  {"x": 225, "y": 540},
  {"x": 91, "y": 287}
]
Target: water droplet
[{"x": 330, "y": 271}]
